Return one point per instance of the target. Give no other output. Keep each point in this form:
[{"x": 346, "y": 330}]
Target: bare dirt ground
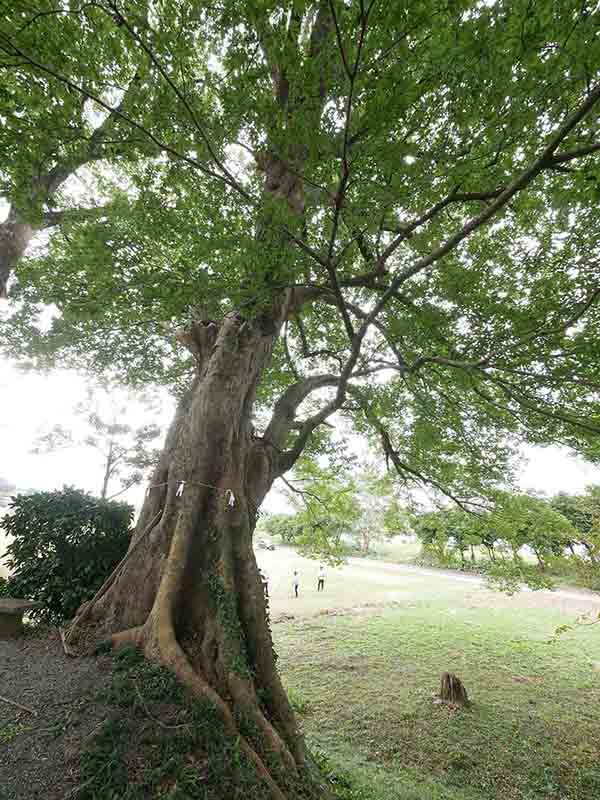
[{"x": 40, "y": 741}]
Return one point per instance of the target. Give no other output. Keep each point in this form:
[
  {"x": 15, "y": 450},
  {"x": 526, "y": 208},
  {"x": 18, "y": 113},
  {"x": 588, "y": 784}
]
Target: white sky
[{"x": 31, "y": 403}]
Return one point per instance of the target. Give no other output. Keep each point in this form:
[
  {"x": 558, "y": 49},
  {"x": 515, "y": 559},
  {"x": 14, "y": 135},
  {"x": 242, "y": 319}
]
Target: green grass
[{"x": 532, "y": 731}]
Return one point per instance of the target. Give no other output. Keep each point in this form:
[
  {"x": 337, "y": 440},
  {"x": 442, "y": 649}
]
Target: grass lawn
[{"x": 365, "y": 683}]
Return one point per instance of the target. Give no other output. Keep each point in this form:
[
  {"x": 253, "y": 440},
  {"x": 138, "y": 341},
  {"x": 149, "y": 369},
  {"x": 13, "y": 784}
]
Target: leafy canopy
[
  {"x": 427, "y": 173},
  {"x": 337, "y": 510}
]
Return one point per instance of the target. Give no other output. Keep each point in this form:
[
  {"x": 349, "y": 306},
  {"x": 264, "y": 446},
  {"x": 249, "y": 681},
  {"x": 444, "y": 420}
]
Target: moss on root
[{"x": 160, "y": 742}]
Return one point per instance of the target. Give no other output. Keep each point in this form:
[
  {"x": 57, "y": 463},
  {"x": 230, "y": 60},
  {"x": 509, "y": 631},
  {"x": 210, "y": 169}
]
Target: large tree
[{"x": 384, "y": 211}]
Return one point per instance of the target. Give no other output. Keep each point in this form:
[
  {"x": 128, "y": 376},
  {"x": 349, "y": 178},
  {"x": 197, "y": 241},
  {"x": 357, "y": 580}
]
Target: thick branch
[
  {"x": 162, "y": 146},
  {"x": 561, "y": 158},
  {"x": 52, "y": 218},
  {"x": 284, "y": 413}
]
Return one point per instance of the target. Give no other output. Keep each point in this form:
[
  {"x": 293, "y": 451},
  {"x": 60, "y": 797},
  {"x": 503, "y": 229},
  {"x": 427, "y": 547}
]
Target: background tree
[
  {"x": 374, "y": 498},
  {"x": 329, "y": 191},
  {"x": 328, "y": 508},
  {"x": 126, "y": 451},
  {"x": 524, "y": 520},
  {"x": 448, "y": 531},
  {"x": 283, "y": 525},
  {"x": 336, "y": 508},
  {"x": 583, "y": 512}
]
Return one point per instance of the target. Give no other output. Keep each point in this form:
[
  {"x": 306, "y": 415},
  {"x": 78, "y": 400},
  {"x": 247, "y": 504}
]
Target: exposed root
[
  {"x": 162, "y": 646},
  {"x": 134, "y": 636},
  {"x": 71, "y": 633},
  {"x": 69, "y": 651},
  {"x": 248, "y": 701}
]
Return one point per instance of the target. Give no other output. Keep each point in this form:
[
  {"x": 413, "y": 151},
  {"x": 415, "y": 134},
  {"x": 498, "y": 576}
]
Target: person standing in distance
[
  {"x": 321, "y": 577},
  {"x": 265, "y": 581},
  {"x": 296, "y": 583}
]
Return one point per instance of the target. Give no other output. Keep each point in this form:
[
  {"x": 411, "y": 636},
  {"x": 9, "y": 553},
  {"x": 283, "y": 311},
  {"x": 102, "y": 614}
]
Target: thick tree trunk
[{"x": 188, "y": 593}]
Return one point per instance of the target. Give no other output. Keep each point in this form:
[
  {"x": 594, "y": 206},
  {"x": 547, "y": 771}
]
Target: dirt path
[
  {"x": 581, "y": 596},
  {"x": 39, "y": 747}
]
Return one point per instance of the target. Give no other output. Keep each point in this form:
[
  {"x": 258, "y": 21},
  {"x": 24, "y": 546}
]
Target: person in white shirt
[
  {"x": 321, "y": 576},
  {"x": 264, "y": 577},
  {"x": 296, "y": 583}
]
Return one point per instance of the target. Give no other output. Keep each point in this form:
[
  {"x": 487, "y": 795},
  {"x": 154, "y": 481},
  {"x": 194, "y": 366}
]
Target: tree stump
[{"x": 452, "y": 690}]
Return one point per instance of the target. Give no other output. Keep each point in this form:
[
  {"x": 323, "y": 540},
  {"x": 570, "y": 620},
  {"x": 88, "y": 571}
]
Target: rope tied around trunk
[{"x": 229, "y": 494}]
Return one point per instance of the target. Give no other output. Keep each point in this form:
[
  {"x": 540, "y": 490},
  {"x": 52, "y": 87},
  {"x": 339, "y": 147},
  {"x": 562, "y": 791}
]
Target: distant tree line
[
  {"x": 560, "y": 534},
  {"x": 515, "y": 538}
]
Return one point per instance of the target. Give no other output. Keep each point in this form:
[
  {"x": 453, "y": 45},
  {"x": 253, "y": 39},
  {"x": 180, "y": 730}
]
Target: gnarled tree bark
[{"x": 189, "y": 593}]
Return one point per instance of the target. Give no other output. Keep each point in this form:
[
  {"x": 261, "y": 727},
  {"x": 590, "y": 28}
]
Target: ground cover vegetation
[{"x": 292, "y": 213}]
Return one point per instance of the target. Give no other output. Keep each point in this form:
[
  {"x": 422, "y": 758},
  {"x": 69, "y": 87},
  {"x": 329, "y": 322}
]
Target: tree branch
[
  {"x": 561, "y": 158},
  {"x": 302, "y": 492},
  {"x": 162, "y": 146},
  {"x": 226, "y": 175},
  {"x": 52, "y": 218},
  {"x": 284, "y": 413},
  {"x": 543, "y": 161},
  {"x": 402, "y": 468}
]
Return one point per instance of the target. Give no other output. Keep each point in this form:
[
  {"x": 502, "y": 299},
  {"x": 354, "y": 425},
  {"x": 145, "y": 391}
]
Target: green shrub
[
  {"x": 64, "y": 545},
  {"x": 4, "y": 590}
]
